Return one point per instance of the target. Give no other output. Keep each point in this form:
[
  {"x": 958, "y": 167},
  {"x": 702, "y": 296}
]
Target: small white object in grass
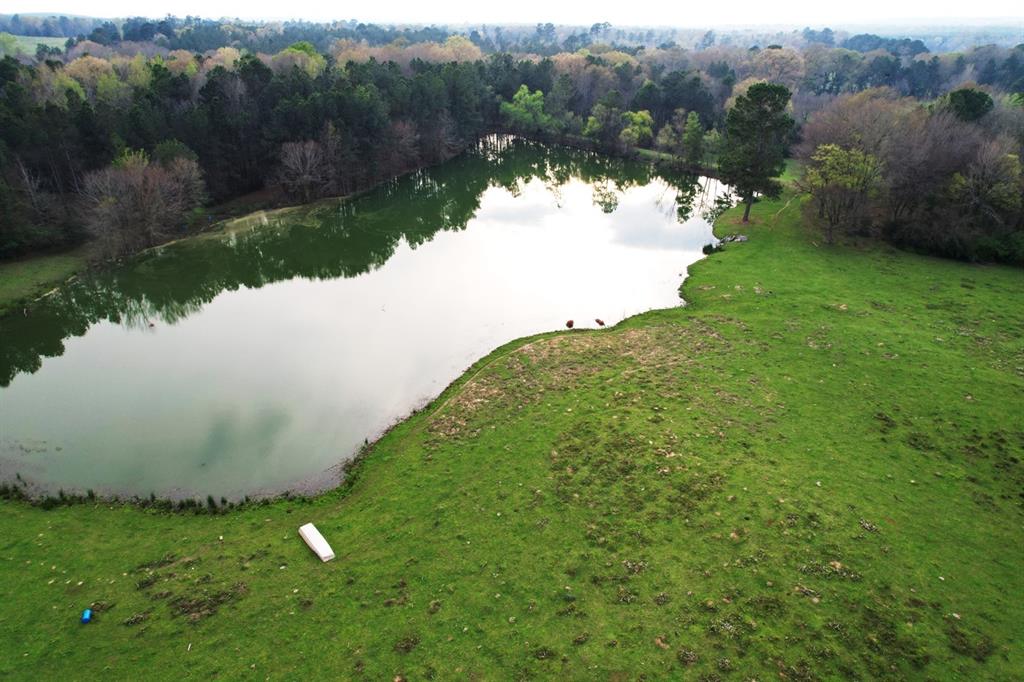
[{"x": 316, "y": 542}]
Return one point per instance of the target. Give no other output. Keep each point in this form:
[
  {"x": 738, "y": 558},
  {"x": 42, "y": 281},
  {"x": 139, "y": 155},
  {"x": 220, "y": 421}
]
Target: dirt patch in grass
[
  {"x": 977, "y": 645},
  {"x": 187, "y": 592},
  {"x": 200, "y": 604},
  {"x": 407, "y": 644},
  {"x": 562, "y": 363}
]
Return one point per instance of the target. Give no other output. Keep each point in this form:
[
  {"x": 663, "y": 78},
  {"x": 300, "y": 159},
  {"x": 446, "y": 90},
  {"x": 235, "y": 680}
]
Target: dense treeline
[
  {"x": 62, "y": 124},
  {"x": 945, "y": 179},
  {"x": 543, "y": 39},
  {"x": 150, "y": 107},
  {"x": 197, "y": 34},
  {"x": 820, "y": 62},
  {"x": 48, "y": 26}
]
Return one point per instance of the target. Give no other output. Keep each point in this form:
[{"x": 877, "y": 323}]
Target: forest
[{"x": 134, "y": 131}]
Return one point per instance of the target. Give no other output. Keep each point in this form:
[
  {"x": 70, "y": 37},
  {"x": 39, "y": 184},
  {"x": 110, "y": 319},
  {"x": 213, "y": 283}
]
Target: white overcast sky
[{"x": 672, "y": 13}]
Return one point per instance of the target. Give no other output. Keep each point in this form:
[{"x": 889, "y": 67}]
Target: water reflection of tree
[
  {"x": 606, "y": 196},
  {"x": 324, "y": 241}
]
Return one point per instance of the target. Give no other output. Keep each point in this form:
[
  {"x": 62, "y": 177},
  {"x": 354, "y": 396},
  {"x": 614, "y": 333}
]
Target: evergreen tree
[
  {"x": 969, "y": 104},
  {"x": 693, "y": 140},
  {"x": 756, "y": 129}
]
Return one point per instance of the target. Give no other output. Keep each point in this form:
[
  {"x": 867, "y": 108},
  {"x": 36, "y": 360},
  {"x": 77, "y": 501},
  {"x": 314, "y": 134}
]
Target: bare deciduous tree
[
  {"x": 439, "y": 141},
  {"x": 304, "y": 169},
  {"x": 134, "y": 204},
  {"x": 400, "y": 149}
]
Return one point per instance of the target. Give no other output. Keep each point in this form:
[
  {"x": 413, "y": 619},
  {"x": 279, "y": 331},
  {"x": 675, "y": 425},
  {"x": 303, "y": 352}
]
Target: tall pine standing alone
[
  {"x": 755, "y": 141},
  {"x": 693, "y": 140}
]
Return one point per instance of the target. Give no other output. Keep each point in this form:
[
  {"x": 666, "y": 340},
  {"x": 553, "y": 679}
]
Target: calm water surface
[{"x": 258, "y": 358}]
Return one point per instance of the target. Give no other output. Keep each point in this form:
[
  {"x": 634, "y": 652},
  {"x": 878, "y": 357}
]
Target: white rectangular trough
[{"x": 316, "y": 542}]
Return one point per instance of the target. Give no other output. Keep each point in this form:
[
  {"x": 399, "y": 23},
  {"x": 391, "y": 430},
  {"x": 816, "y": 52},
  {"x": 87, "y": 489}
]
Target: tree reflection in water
[{"x": 326, "y": 240}]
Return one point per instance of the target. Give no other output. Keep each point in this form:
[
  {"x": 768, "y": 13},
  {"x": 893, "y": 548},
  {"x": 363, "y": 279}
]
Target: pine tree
[
  {"x": 693, "y": 140},
  {"x": 755, "y": 140}
]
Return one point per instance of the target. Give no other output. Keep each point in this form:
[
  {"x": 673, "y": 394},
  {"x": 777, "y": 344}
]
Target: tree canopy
[
  {"x": 756, "y": 130},
  {"x": 320, "y": 109},
  {"x": 969, "y": 104},
  {"x": 526, "y": 112}
]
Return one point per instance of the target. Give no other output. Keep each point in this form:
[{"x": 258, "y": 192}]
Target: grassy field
[
  {"x": 27, "y": 44},
  {"x": 812, "y": 471},
  {"x": 28, "y": 278}
]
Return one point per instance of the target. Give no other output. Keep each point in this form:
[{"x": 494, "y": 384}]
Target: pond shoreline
[
  {"x": 335, "y": 479},
  {"x": 746, "y": 498},
  {"x": 330, "y": 477},
  {"x": 279, "y": 201}
]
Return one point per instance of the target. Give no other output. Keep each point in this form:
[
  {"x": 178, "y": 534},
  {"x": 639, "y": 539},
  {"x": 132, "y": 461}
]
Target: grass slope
[
  {"x": 28, "y": 278},
  {"x": 812, "y": 471}
]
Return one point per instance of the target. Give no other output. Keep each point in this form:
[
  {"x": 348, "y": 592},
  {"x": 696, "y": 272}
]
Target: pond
[{"x": 260, "y": 357}]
